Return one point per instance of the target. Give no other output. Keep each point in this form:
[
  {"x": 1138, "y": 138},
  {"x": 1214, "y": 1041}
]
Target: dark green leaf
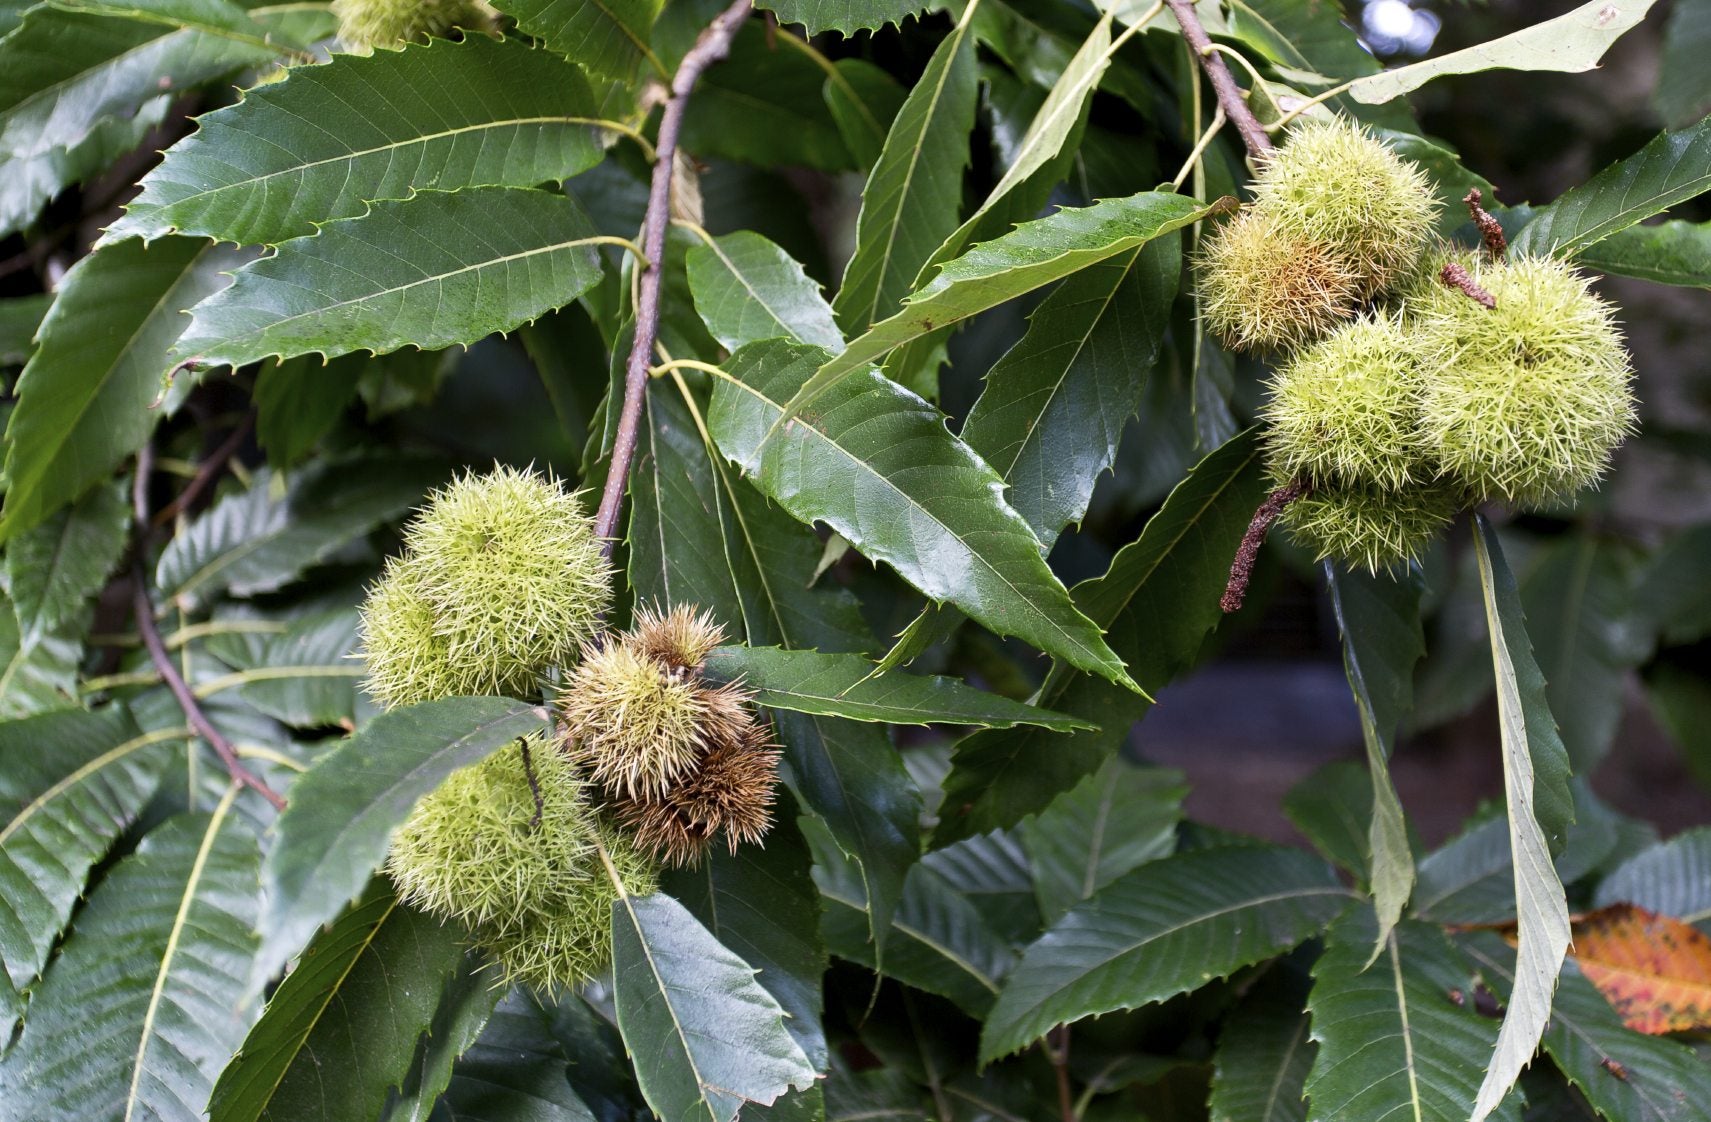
[
  {"x": 1157, "y": 601},
  {"x": 1674, "y": 167},
  {"x": 339, "y": 822},
  {"x": 762, "y": 105},
  {"x": 1115, "y": 820},
  {"x": 298, "y": 402},
  {"x": 39, "y": 677},
  {"x": 1535, "y": 781},
  {"x": 1683, "y": 92},
  {"x": 342, "y": 1028},
  {"x": 70, "y": 783},
  {"x": 1673, "y": 252},
  {"x": 844, "y": 16},
  {"x": 332, "y": 138},
  {"x": 1672, "y": 879},
  {"x": 308, "y": 676},
  {"x": 1393, "y": 1040},
  {"x": 1264, "y": 1053},
  {"x": 991, "y": 872},
  {"x": 20, "y": 316},
  {"x": 431, "y": 271},
  {"x": 84, "y": 400},
  {"x": 915, "y": 189},
  {"x": 608, "y": 37},
  {"x": 706, "y": 1037},
  {"x": 463, "y": 1013},
  {"x": 29, "y": 183},
  {"x": 53, "y": 569},
  {"x": 139, "y": 1012},
  {"x": 515, "y": 1072},
  {"x": 1332, "y": 808},
  {"x": 760, "y": 903},
  {"x": 255, "y": 541},
  {"x": 1030, "y": 256},
  {"x": 937, "y": 942},
  {"x": 1166, "y": 928},
  {"x": 845, "y": 685},
  {"x": 864, "y": 100},
  {"x": 876, "y": 464},
  {"x": 748, "y": 289}
]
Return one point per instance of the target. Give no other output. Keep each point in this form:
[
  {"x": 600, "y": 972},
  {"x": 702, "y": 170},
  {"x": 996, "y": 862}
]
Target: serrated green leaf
[
  {"x": 53, "y": 569},
  {"x": 699, "y": 535},
  {"x": 138, "y": 1013},
  {"x": 255, "y": 541},
  {"x": 876, "y": 464},
  {"x": 374, "y": 977},
  {"x": 762, "y": 105},
  {"x": 1673, "y": 252},
  {"x": 332, "y": 138},
  {"x": 1265, "y": 1050},
  {"x": 70, "y": 783},
  {"x": 761, "y": 904},
  {"x": 336, "y": 829},
  {"x": 464, "y": 1009},
  {"x": 39, "y": 677},
  {"x": 300, "y": 401},
  {"x": 938, "y": 941},
  {"x": 1673, "y": 167},
  {"x": 1535, "y": 782},
  {"x": 913, "y": 194},
  {"x": 991, "y": 872},
  {"x": 1112, "y": 822},
  {"x": 845, "y": 685},
  {"x": 431, "y": 271},
  {"x": 1392, "y": 1041},
  {"x": 1030, "y": 256},
  {"x": 1683, "y": 91},
  {"x": 515, "y": 1072},
  {"x": 84, "y": 400},
  {"x": 308, "y": 675},
  {"x": 1672, "y": 878},
  {"x": 1332, "y": 808},
  {"x": 863, "y": 100},
  {"x": 1379, "y": 619},
  {"x": 1168, "y": 927},
  {"x": 747, "y": 289},
  {"x": 705, "y": 1036},
  {"x": 607, "y": 37},
  {"x": 1660, "y": 1080},
  {"x": 1572, "y": 42},
  {"x": 29, "y": 183},
  {"x": 1579, "y": 597},
  {"x": 1157, "y": 601},
  {"x": 844, "y": 16}
]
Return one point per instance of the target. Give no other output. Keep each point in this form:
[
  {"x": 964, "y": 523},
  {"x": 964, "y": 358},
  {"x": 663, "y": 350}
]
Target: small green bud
[
  {"x": 1263, "y": 287},
  {"x": 1345, "y": 411},
  {"x": 1335, "y": 185},
  {"x": 1367, "y": 526},
  {"x": 367, "y": 24},
  {"x": 474, "y": 848},
  {"x": 1523, "y": 402}
]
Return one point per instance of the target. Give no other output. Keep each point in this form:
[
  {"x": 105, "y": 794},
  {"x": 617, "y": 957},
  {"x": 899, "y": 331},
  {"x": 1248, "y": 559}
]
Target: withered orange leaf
[{"x": 1655, "y": 970}]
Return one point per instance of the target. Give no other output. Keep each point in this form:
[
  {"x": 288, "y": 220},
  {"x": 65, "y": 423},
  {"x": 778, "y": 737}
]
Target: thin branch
[
  {"x": 142, "y": 611},
  {"x": 1242, "y": 568},
  {"x": 206, "y": 472},
  {"x": 1223, "y": 83},
  {"x": 1057, "y": 1050},
  {"x": 713, "y": 45}
]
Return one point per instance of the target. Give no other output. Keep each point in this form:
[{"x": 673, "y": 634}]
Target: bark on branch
[{"x": 1223, "y": 82}]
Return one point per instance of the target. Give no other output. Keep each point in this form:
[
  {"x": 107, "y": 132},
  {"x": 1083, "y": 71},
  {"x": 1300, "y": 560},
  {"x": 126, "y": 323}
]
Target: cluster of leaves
[{"x": 931, "y": 913}]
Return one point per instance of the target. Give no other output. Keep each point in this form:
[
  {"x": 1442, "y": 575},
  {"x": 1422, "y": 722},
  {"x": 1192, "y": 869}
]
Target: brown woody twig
[
  {"x": 1223, "y": 83},
  {"x": 713, "y": 45},
  {"x": 1455, "y": 275},
  {"x": 1242, "y": 568},
  {"x": 206, "y": 472},
  {"x": 142, "y": 609},
  {"x": 1489, "y": 228}
]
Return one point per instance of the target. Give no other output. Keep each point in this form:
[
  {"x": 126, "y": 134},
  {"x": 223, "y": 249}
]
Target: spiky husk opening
[
  {"x": 1264, "y": 288},
  {"x": 1369, "y": 527},
  {"x": 564, "y": 945},
  {"x": 730, "y": 792},
  {"x": 678, "y": 638},
  {"x": 367, "y": 24},
  {"x": 1346, "y": 410},
  {"x": 472, "y": 849},
  {"x": 501, "y": 578},
  {"x": 1524, "y": 402},
  {"x": 1335, "y": 185}
]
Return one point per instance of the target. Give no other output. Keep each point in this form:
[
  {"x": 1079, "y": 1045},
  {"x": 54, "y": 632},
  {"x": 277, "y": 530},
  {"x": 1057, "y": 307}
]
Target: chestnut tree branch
[
  {"x": 1223, "y": 83},
  {"x": 142, "y": 609},
  {"x": 713, "y": 45},
  {"x": 207, "y": 471}
]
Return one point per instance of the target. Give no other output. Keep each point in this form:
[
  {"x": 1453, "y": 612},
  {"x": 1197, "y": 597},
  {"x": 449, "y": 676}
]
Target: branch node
[
  {"x": 1242, "y": 568},
  {"x": 1455, "y": 275},
  {"x": 1223, "y": 84},
  {"x": 1489, "y": 228}
]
